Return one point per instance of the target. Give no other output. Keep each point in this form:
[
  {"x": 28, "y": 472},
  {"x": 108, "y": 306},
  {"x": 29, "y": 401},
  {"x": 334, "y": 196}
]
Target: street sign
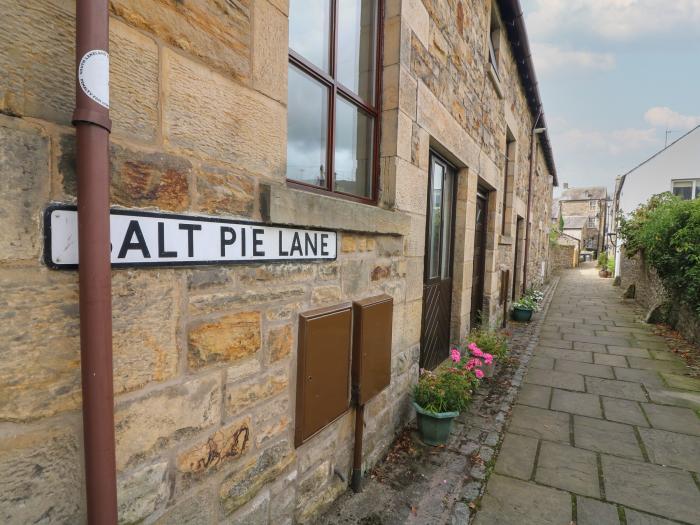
[{"x": 140, "y": 238}]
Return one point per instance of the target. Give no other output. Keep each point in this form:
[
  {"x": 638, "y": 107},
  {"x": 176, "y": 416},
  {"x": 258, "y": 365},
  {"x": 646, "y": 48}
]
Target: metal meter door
[
  {"x": 437, "y": 279},
  {"x": 478, "y": 276}
]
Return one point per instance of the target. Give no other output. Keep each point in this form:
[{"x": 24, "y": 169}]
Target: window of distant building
[
  {"x": 592, "y": 222},
  {"x": 333, "y": 92},
  {"x": 593, "y": 205},
  {"x": 686, "y": 189}
]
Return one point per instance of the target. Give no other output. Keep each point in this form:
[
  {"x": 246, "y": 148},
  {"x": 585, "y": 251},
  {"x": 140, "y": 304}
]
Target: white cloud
[
  {"x": 663, "y": 117},
  {"x": 548, "y": 57},
  {"x": 612, "y": 142},
  {"x": 615, "y": 20}
]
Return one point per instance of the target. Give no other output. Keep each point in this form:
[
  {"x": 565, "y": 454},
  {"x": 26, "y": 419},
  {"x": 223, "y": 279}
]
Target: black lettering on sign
[
  {"x": 324, "y": 245},
  {"x": 296, "y": 245},
  {"x": 243, "y": 242},
  {"x": 191, "y": 228},
  {"x": 161, "y": 242},
  {"x": 228, "y": 237},
  {"x": 134, "y": 230},
  {"x": 257, "y": 232},
  {"x": 309, "y": 246},
  {"x": 282, "y": 252}
]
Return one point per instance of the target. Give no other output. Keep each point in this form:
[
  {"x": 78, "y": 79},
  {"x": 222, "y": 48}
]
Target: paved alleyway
[{"x": 605, "y": 429}]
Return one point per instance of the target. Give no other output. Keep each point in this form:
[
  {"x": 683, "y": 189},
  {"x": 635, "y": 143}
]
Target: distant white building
[{"x": 676, "y": 168}]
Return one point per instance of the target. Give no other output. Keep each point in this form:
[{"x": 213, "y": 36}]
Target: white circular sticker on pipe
[{"x": 93, "y": 76}]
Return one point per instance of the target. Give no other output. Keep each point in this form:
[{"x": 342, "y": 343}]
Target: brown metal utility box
[
  {"x": 371, "y": 359},
  {"x": 323, "y": 369}
]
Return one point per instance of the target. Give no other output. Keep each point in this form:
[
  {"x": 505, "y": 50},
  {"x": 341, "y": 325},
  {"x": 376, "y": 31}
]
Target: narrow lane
[{"x": 597, "y": 435}]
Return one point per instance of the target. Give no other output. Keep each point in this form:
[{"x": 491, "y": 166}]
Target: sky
[{"x": 614, "y": 75}]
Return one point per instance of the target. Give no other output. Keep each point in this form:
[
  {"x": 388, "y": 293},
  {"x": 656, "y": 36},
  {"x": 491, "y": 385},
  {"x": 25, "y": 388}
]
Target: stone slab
[
  {"x": 540, "y": 423},
  {"x": 517, "y": 456},
  {"x": 510, "y": 501},
  {"x": 556, "y": 379},
  {"x": 619, "y": 389},
  {"x": 671, "y": 448},
  {"x": 649, "y": 378},
  {"x": 676, "y": 419},
  {"x": 568, "y": 468},
  {"x": 534, "y": 395},
  {"x": 660, "y": 490},
  {"x": 586, "y": 369},
  {"x": 594, "y": 512},
  {"x": 628, "y": 350},
  {"x": 675, "y": 398},
  {"x": 624, "y": 411},
  {"x": 610, "y": 360},
  {"x": 681, "y": 382},
  {"x": 576, "y": 403},
  {"x": 591, "y": 347},
  {"x": 606, "y": 436},
  {"x": 560, "y": 353},
  {"x": 637, "y": 518},
  {"x": 653, "y": 364},
  {"x": 555, "y": 342},
  {"x": 541, "y": 362}
]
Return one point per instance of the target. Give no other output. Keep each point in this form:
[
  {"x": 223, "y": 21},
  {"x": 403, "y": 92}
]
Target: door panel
[
  {"x": 437, "y": 282},
  {"x": 481, "y": 222}
]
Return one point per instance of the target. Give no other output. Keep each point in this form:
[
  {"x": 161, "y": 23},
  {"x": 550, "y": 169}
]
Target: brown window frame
[{"x": 335, "y": 88}]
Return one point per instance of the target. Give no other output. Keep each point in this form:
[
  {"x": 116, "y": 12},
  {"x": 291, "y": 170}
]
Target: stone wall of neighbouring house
[
  {"x": 563, "y": 256},
  {"x": 649, "y": 291},
  {"x": 205, "y": 358}
]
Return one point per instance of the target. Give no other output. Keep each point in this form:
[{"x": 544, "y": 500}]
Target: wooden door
[
  {"x": 481, "y": 223},
  {"x": 437, "y": 279}
]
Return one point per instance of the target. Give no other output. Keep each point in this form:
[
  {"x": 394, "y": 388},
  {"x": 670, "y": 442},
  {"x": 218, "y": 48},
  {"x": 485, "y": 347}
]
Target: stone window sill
[{"x": 284, "y": 205}]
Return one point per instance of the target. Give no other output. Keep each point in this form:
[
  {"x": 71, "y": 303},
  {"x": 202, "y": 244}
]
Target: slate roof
[
  {"x": 575, "y": 222},
  {"x": 584, "y": 194}
]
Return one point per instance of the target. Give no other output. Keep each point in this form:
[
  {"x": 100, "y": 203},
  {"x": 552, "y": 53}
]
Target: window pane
[
  {"x": 683, "y": 189},
  {"x": 697, "y": 189},
  {"x": 353, "y": 149},
  {"x": 306, "y": 129},
  {"x": 356, "y": 30},
  {"x": 435, "y": 219},
  {"x": 447, "y": 225},
  {"x": 310, "y": 30}
]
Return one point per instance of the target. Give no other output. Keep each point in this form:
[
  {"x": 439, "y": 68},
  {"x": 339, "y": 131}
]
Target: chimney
[{"x": 566, "y": 185}]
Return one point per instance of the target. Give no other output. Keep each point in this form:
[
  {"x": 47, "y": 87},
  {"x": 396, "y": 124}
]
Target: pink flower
[
  {"x": 475, "y": 350},
  {"x": 488, "y": 358},
  {"x": 473, "y": 363},
  {"x": 455, "y": 355},
  {"x": 479, "y": 373}
]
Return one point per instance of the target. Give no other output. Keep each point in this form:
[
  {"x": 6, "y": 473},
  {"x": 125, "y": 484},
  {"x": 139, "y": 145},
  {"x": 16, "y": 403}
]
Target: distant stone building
[
  {"x": 410, "y": 132},
  {"x": 592, "y": 204}
]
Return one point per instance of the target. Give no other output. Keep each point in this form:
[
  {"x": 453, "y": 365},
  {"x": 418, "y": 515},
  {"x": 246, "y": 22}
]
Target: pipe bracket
[{"x": 91, "y": 116}]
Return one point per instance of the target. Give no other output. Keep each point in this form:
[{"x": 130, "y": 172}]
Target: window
[
  {"x": 332, "y": 122},
  {"x": 686, "y": 189},
  {"x": 494, "y": 40},
  {"x": 592, "y": 222},
  {"x": 593, "y": 204}
]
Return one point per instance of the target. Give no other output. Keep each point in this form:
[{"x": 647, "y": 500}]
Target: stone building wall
[
  {"x": 205, "y": 358},
  {"x": 562, "y": 257},
  {"x": 640, "y": 282}
]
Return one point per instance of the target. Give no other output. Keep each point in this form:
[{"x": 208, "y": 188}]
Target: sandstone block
[
  {"x": 226, "y": 444},
  {"x": 223, "y": 192},
  {"x": 280, "y": 341},
  {"x": 231, "y": 124},
  {"x": 37, "y": 58},
  {"x": 133, "y": 83},
  {"x": 271, "y": 421},
  {"x": 328, "y": 271},
  {"x": 354, "y": 276},
  {"x": 42, "y": 476},
  {"x": 197, "y": 510},
  {"x": 280, "y": 273},
  {"x": 218, "y": 33},
  {"x": 325, "y": 294},
  {"x": 241, "y": 486},
  {"x": 381, "y": 272},
  {"x": 242, "y": 394},
  {"x": 348, "y": 243},
  {"x": 270, "y": 49},
  {"x": 228, "y": 338},
  {"x": 164, "y": 417},
  {"x": 24, "y": 164},
  {"x": 224, "y": 301},
  {"x": 143, "y": 492},
  {"x": 256, "y": 511}
]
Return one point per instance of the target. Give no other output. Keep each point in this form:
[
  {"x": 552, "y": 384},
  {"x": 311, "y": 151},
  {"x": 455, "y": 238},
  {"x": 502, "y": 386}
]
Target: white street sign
[{"x": 158, "y": 239}]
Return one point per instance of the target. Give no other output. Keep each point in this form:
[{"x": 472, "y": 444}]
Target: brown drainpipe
[
  {"x": 533, "y": 151},
  {"x": 92, "y": 123}
]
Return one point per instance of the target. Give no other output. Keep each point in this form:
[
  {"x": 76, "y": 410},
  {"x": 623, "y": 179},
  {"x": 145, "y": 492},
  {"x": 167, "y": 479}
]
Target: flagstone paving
[{"x": 606, "y": 429}]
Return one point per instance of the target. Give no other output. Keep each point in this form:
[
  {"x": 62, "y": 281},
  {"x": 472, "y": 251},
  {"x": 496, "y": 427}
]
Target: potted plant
[
  {"x": 489, "y": 345},
  {"x": 440, "y": 396},
  {"x": 523, "y": 309}
]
